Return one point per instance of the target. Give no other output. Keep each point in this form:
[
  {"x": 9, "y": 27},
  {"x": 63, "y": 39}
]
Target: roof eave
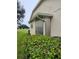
[{"x": 39, "y": 3}]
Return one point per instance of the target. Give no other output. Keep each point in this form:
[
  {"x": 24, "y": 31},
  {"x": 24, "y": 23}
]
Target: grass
[
  {"x": 21, "y": 36},
  {"x": 37, "y": 46},
  {"x": 22, "y": 30}
]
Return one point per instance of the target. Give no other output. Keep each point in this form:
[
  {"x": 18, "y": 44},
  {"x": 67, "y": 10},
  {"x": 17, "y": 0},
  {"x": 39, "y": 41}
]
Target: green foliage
[
  {"x": 23, "y": 26},
  {"x": 38, "y": 47},
  {"x": 20, "y": 13}
]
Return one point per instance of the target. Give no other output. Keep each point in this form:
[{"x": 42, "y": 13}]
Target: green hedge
[{"x": 39, "y": 47}]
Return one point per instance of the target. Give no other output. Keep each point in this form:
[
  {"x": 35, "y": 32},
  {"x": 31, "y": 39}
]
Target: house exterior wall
[
  {"x": 56, "y": 24},
  {"x": 32, "y": 30},
  {"x": 47, "y": 26},
  {"x": 48, "y": 6},
  {"x": 52, "y": 7}
]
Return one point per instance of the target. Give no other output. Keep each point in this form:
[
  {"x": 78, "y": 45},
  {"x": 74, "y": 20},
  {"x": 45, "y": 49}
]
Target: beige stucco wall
[
  {"x": 47, "y": 26},
  {"x": 52, "y": 7},
  {"x": 32, "y": 30},
  {"x": 56, "y": 24},
  {"x": 48, "y": 6}
]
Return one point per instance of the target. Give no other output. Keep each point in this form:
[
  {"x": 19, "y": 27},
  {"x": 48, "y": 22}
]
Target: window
[{"x": 39, "y": 27}]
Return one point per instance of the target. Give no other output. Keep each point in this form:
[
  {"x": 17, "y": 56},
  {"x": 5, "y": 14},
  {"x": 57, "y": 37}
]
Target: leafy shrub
[{"x": 39, "y": 47}]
